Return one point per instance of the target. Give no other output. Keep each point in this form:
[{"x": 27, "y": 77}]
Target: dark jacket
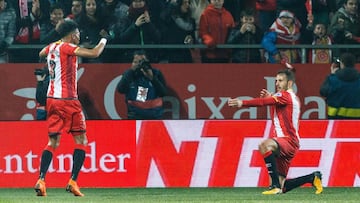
[
  {"x": 48, "y": 33},
  {"x": 143, "y": 97},
  {"x": 338, "y": 30},
  {"x": 126, "y": 32},
  {"x": 342, "y": 93},
  {"x": 245, "y": 55},
  {"x": 174, "y": 28}
]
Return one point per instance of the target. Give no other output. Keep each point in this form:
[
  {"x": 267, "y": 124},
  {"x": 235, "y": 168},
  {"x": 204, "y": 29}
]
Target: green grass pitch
[{"x": 196, "y": 195}]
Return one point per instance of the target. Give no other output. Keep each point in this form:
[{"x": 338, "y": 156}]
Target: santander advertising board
[{"x": 178, "y": 153}]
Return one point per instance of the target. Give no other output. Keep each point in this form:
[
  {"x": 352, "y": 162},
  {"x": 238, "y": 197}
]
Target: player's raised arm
[{"x": 92, "y": 53}]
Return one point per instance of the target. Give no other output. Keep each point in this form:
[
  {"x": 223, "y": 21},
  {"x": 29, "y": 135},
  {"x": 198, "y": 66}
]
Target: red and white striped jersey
[
  {"x": 285, "y": 113},
  {"x": 62, "y": 63}
]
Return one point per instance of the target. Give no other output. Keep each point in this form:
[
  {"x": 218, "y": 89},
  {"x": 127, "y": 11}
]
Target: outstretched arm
[
  {"x": 94, "y": 52},
  {"x": 252, "y": 102}
]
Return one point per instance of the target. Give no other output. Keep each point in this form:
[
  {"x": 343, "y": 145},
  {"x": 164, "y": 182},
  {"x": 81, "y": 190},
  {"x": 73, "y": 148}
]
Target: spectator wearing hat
[
  {"x": 285, "y": 30},
  {"x": 297, "y": 7}
]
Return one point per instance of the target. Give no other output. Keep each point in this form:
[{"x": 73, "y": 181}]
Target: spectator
[
  {"x": 155, "y": 7},
  {"x": 7, "y": 33},
  {"x": 318, "y": 36},
  {"x": 143, "y": 87},
  {"x": 297, "y": 7},
  {"x": 214, "y": 27},
  {"x": 49, "y": 29},
  {"x": 178, "y": 28},
  {"x": 285, "y": 30},
  {"x": 113, "y": 10},
  {"x": 345, "y": 26},
  {"x": 76, "y": 8},
  {"x": 247, "y": 32},
  {"x": 267, "y": 13},
  {"x": 342, "y": 89},
  {"x": 92, "y": 27},
  {"x": 137, "y": 28},
  {"x": 29, "y": 16}
]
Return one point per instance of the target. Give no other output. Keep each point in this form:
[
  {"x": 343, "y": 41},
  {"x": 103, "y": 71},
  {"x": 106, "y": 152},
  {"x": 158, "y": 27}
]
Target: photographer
[
  {"x": 342, "y": 89},
  {"x": 144, "y": 87},
  {"x": 42, "y": 78}
]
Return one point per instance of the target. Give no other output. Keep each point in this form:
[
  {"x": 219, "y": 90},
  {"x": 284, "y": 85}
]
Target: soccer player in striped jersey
[
  {"x": 63, "y": 107},
  {"x": 282, "y": 146}
]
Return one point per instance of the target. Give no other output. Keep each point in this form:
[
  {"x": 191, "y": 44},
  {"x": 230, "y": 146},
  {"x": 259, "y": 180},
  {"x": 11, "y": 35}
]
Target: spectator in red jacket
[{"x": 214, "y": 27}]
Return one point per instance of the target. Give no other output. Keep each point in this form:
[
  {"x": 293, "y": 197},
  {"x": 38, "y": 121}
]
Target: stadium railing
[{"x": 303, "y": 47}]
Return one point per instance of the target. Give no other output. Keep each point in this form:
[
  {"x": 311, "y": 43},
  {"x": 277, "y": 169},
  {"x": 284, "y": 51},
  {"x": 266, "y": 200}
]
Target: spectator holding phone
[
  {"x": 137, "y": 28},
  {"x": 342, "y": 89}
]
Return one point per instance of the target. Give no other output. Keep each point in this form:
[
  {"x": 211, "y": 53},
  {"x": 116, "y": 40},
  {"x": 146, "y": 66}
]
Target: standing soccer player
[
  {"x": 62, "y": 105},
  {"x": 279, "y": 150}
]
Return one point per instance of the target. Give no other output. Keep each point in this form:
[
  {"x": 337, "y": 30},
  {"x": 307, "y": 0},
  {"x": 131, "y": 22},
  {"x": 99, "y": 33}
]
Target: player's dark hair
[
  {"x": 290, "y": 74},
  {"x": 67, "y": 27}
]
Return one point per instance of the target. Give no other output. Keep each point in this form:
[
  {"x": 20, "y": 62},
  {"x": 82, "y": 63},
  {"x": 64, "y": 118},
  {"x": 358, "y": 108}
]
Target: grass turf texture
[{"x": 197, "y": 195}]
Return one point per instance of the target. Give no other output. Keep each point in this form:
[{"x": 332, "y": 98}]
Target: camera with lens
[
  {"x": 336, "y": 60},
  {"x": 39, "y": 71},
  {"x": 144, "y": 64}
]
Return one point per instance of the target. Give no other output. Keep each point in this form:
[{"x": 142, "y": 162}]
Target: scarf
[
  {"x": 321, "y": 55},
  {"x": 284, "y": 34},
  {"x": 23, "y": 8}
]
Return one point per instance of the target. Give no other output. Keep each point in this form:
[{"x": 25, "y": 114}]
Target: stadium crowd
[{"x": 210, "y": 22}]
